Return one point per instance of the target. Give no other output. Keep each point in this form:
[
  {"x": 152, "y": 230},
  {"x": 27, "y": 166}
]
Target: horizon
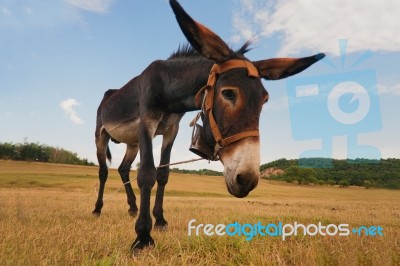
[{"x": 364, "y": 160}]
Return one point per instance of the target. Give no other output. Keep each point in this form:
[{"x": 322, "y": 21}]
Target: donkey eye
[{"x": 228, "y": 94}]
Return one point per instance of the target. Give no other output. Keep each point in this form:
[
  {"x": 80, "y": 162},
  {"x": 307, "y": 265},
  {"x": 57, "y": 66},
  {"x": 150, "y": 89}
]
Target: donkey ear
[
  {"x": 279, "y": 68},
  {"x": 200, "y": 37}
]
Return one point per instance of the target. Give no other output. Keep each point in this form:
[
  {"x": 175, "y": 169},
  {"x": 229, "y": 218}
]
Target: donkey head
[{"x": 232, "y": 113}]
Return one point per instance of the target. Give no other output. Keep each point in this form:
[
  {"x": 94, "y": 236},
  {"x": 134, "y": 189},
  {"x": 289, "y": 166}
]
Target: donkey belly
[{"x": 126, "y": 132}]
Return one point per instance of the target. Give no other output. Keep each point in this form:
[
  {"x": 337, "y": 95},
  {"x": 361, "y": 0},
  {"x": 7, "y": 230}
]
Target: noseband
[{"x": 199, "y": 146}]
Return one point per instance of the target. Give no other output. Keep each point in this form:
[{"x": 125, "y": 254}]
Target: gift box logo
[{"x": 343, "y": 103}]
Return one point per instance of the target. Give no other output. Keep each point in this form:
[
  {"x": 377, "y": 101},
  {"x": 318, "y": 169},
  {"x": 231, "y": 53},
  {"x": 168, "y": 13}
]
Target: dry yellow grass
[{"x": 45, "y": 219}]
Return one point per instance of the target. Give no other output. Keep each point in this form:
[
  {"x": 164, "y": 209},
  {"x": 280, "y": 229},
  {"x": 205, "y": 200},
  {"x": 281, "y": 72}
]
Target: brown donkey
[{"x": 154, "y": 102}]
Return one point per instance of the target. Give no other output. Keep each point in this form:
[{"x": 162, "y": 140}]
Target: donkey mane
[{"x": 186, "y": 50}]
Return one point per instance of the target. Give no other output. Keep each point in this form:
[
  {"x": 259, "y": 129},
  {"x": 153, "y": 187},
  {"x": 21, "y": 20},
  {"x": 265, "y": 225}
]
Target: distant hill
[
  {"x": 40, "y": 153},
  {"x": 384, "y": 173}
]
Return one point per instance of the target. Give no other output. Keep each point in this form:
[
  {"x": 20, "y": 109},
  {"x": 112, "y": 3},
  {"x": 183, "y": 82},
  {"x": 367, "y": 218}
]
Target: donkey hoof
[
  {"x": 139, "y": 245},
  {"x": 132, "y": 213},
  {"x": 161, "y": 226},
  {"x": 96, "y": 213}
]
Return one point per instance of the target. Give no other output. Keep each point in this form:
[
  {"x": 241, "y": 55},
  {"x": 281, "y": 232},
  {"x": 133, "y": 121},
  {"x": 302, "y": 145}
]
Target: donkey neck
[{"x": 186, "y": 77}]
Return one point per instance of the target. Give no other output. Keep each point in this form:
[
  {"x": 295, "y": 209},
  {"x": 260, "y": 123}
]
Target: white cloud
[
  {"x": 96, "y": 6},
  {"x": 35, "y": 14},
  {"x": 68, "y": 106},
  {"x": 48, "y": 13},
  {"x": 309, "y": 25}
]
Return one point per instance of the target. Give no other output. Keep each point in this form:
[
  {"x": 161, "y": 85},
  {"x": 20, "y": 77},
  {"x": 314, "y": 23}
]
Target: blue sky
[{"x": 58, "y": 57}]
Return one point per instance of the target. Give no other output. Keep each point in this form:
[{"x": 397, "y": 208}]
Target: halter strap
[
  {"x": 207, "y": 102},
  {"x": 252, "y": 71}
]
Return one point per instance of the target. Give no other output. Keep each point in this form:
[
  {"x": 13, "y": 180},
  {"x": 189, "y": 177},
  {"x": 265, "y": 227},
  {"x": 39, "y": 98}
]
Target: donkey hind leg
[
  {"x": 162, "y": 176},
  {"x": 102, "y": 155},
  {"x": 124, "y": 169}
]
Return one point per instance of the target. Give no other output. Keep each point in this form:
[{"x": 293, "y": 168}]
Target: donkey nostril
[
  {"x": 247, "y": 182},
  {"x": 241, "y": 180},
  {"x": 244, "y": 183}
]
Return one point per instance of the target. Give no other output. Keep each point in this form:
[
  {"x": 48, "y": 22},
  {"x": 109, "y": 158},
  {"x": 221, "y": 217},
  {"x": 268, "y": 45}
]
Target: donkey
[{"x": 154, "y": 102}]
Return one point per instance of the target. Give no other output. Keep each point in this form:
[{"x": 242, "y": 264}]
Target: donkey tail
[{"x": 109, "y": 157}]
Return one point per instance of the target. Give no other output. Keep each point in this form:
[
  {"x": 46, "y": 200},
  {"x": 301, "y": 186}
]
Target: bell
[{"x": 199, "y": 146}]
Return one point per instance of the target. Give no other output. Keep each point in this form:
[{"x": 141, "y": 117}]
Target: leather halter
[{"x": 207, "y": 103}]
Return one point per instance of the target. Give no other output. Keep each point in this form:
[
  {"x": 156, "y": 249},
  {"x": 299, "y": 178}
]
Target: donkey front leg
[
  {"x": 146, "y": 180},
  {"x": 162, "y": 176}
]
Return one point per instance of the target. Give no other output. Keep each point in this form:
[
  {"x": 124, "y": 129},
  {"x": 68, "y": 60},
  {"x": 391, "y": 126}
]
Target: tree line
[
  {"x": 197, "y": 172},
  {"x": 39, "y": 153},
  {"x": 383, "y": 173}
]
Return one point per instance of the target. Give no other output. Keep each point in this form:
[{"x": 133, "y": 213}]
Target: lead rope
[{"x": 160, "y": 166}]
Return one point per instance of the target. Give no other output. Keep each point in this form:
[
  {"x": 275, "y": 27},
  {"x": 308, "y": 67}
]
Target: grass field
[{"x": 45, "y": 219}]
